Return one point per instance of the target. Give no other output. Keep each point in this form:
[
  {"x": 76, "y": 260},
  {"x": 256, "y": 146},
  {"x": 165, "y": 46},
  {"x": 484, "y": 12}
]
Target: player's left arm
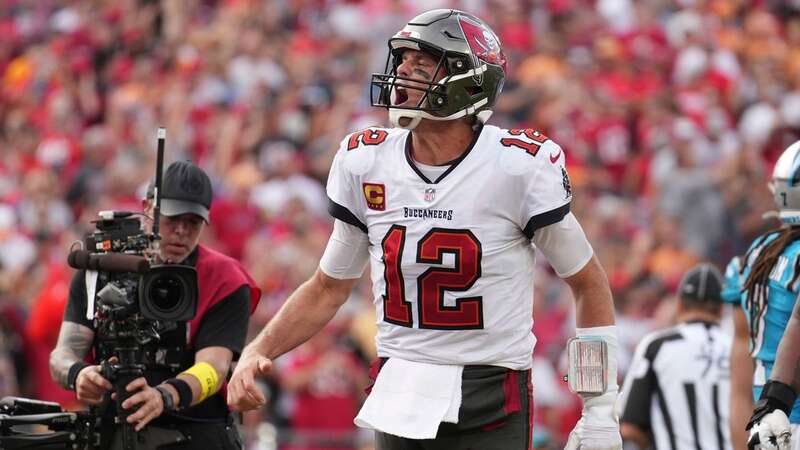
[
  {"x": 568, "y": 250},
  {"x": 594, "y": 306},
  {"x": 598, "y": 427}
]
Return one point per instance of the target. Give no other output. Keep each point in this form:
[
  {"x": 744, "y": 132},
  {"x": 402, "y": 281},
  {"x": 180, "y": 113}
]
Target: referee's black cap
[{"x": 701, "y": 283}]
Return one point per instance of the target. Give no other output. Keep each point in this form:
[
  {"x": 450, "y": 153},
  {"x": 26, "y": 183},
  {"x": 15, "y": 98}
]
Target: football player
[
  {"x": 765, "y": 282},
  {"x": 447, "y": 211}
]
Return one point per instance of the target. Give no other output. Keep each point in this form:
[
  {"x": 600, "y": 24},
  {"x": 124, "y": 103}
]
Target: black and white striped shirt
[{"x": 678, "y": 387}]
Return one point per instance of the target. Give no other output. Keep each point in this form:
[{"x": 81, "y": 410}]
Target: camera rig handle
[{"x": 120, "y": 375}]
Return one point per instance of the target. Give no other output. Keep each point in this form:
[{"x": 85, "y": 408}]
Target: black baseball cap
[
  {"x": 701, "y": 283},
  {"x": 185, "y": 189}
]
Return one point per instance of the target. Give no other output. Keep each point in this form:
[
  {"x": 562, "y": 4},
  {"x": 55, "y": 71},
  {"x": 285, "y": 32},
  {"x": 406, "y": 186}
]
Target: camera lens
[{"x": 166, "y": 292}]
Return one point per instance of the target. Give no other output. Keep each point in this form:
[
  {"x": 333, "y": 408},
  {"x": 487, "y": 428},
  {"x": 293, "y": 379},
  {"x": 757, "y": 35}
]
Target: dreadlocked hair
[{"x": 756, "y": 285}]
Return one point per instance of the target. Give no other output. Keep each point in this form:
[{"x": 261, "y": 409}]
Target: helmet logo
[
  {"x": 483, "y": 43},
  {"x": 407, "y": 34}
]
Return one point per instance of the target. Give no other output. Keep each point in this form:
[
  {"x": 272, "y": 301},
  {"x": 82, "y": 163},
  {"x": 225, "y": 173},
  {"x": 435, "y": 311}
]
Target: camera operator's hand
[
  {"x": 243, "y": 393},
  {"x": 148, "y": 400},
  {"x": 90, "y": 386}
]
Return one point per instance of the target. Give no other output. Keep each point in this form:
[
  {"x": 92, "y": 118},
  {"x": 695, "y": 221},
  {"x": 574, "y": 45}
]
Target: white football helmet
[{"x": 785, "y": 184}]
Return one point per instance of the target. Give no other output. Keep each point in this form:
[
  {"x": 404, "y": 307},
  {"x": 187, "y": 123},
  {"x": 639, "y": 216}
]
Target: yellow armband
[{"x": 206, "y": 374}]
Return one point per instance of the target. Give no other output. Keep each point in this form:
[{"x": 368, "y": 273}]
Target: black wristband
[
  {"x": 780, "y": 394},
  {"x": 72, "y": 375},
  {"x": 166, "y": 398},
  {"x": 184, "y": 392}
]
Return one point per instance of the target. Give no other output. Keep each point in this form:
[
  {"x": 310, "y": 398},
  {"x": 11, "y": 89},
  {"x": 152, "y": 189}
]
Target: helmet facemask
[{"x": 391, "y": 90}]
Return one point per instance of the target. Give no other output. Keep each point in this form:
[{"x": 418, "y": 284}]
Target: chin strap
[
  {"x": 396, "y": 116},
  {"x": 413, "y": 117}
]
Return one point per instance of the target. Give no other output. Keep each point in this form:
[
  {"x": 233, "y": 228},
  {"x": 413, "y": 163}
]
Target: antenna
[{"x": 162, "y": 137}]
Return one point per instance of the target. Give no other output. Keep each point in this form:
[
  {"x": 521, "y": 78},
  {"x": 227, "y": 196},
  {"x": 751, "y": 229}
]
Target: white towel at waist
[{"x": 410, "y": 399}]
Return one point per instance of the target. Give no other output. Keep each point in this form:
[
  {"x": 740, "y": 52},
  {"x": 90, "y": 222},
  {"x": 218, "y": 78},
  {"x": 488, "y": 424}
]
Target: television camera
[{"x": 139, "y": 299}]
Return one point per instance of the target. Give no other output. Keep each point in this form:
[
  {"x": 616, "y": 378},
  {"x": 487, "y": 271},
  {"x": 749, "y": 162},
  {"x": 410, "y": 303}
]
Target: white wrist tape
[{"x": 592, "y": 361}]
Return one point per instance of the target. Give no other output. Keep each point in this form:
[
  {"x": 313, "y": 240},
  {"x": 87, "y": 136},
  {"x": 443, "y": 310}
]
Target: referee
[{"x": 676, "y": 393}]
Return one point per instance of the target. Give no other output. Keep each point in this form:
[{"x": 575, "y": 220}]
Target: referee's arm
[{"x": 635, "y": 399}]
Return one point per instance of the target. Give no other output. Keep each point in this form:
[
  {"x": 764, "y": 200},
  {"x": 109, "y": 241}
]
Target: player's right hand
[
  {"x": 243, "y": 393},
  {"x": 771, "y": 432},
  {"x": 90, "y": 386}
]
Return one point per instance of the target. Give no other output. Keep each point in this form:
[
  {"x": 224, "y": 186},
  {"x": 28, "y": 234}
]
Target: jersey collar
[{"x": 452, "y": 163}]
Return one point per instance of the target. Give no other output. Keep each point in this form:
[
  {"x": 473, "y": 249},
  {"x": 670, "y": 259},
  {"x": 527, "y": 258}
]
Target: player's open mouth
[{"x": 401, "y": 95}]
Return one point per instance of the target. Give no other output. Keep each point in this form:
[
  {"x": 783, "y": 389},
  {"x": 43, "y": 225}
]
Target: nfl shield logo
[{"x": 430, "y": 193}]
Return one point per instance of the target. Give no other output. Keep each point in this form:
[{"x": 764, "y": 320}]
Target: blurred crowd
[{"x": 671, "y": 113}]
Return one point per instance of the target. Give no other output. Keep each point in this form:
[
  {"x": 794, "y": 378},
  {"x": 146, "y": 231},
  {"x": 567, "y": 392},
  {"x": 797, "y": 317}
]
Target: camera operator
[{"x": 179, "y": 391}]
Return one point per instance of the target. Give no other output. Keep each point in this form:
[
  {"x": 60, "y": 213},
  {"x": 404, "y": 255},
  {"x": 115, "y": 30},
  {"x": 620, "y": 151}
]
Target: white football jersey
[{"x": 451, "y": 259}]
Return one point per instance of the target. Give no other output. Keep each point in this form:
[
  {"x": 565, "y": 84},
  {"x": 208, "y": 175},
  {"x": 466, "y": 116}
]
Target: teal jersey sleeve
[{"x": 732, "y": 288}]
